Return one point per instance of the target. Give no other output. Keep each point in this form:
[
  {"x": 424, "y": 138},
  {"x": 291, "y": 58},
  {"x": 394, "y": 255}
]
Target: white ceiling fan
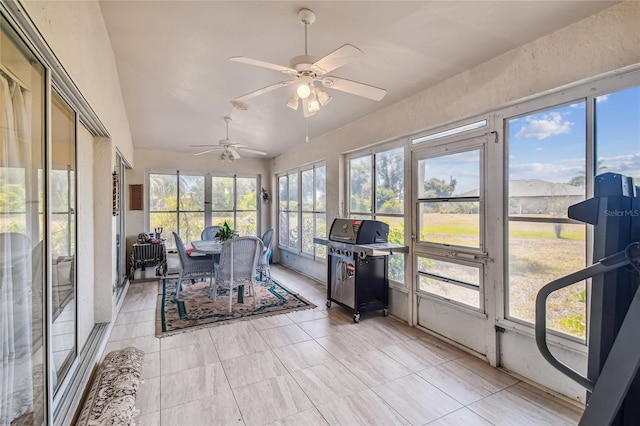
[
  {"x": 306, "y": 69},
  {"x": 228, "y": 147}
]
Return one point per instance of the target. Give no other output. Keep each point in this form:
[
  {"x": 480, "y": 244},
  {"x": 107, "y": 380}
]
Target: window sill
[{"x": 554, "y": 339}]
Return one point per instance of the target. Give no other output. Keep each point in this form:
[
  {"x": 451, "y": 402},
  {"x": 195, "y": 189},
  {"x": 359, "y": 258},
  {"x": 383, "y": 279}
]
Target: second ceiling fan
[
  {"x": 306, "y": 70},
  {"x": 228, "y": 147}
]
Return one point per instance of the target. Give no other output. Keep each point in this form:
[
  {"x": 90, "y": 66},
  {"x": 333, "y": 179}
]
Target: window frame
[
  {"x": 208, "y": 206},
  {"x": 580, "y": 91},
  {"x": 372, "y": 152},
  {"x": 467, "y": 145},
  {"x": 287, "y": 212}
]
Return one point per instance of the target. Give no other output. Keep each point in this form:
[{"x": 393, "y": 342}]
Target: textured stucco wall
[
  {"x": 104, "y": 231},
  {"x": 85, "y": 250},
  {"x": 76, "y": 32}
]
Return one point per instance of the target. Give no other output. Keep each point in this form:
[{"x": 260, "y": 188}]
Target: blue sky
[{"x": 550, "y": 145}]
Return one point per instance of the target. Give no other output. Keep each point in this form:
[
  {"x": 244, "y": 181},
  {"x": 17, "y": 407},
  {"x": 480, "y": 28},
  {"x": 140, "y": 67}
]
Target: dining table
[
  {"x": 213, "y": 247},
  {"x": 207, "y": 246}
]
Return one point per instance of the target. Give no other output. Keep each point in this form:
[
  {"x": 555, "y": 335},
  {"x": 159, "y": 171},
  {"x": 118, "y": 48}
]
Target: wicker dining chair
[
  {"x": 209, "y": 233},
  {"x": 192, "y": 268},
  {"x": 237, "y": 266},
  {"x": 263, "y": 264}
]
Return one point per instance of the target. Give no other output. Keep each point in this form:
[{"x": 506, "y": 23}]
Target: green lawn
[{"x": 536, "y": 257}]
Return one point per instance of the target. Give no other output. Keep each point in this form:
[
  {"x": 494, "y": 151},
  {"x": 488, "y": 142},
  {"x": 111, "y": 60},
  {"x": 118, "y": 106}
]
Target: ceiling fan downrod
[
  {"x": 227, "y": 119},
  {"x": 307, "y": 17}
]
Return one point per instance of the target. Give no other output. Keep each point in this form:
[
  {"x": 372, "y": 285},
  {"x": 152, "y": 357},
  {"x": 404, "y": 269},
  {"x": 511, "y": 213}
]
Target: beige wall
[
  {"x": 85, "y": 251},
  {"x": 77, "y": 35}
]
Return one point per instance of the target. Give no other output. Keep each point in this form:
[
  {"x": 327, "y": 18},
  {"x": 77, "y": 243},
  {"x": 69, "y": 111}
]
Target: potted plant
[{"x": 225, "y": 232}]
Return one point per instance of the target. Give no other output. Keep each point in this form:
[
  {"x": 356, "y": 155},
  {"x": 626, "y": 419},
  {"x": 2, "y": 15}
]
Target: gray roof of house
[{"x": 536, "y": 188}]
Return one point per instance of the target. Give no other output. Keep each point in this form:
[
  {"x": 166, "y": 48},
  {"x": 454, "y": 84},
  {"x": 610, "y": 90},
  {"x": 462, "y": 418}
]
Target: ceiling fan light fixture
[
  {"x": 226, "y": 156},
  {"x": 293, "y": 101},
  {"x": 305, "y": 87},
  {"x": 314, "y": 105},
  {"x": 303, "y": 90},
  {"x": 323, "y": 97}
]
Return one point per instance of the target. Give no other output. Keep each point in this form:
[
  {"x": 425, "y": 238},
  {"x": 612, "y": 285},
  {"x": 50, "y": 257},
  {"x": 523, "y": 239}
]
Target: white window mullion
[{"x": 208, "y": 206}]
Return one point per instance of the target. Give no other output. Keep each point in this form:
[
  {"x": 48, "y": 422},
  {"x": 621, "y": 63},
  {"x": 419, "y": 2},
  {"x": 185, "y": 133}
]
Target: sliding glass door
[
  {"x": 22, "y": 233},
  {"x": 62, "y": 229}
]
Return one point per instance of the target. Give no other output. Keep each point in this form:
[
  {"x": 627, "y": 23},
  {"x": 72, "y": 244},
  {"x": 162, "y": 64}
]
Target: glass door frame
[
  {"x": 485, "y": 257},
  {"x": 123, "y": 265}
]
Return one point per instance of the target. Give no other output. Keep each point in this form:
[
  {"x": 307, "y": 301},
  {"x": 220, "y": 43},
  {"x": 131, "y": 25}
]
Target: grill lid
[{"x": 359, "y": 231}]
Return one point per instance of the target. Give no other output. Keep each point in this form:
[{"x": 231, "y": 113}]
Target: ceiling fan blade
[
  {"x": 353, "y": 87},
  {"x": 263, "y": 64},
  {"x": 233, "y": 153},
  {"x": 263, "y": 90},
  {"x": 207, "y": 151},
  {"x": 250, "y": 150},
  {"x": 339, "y": 57},
  {"x": 203, "y": 146}
]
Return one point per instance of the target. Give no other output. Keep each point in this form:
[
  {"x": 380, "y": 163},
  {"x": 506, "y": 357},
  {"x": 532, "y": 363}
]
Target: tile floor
[{"x": 316, "y": 367}]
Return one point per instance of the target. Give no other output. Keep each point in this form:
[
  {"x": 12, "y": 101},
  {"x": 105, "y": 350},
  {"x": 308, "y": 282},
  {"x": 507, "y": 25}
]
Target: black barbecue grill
[{"x": 357, "y": 265}]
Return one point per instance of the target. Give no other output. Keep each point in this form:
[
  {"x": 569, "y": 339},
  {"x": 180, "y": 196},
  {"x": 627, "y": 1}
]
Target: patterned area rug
[{"x": 195, "y": 309}]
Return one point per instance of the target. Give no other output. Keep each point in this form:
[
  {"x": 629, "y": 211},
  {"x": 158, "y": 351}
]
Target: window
[
  {"x": 302, "y": 210},
  {"x": 314, "y": 218},
  {"x": 450, "y": 240},
  {"x": 546, "y": 174},
  {"x": 450, "y": 210},
  {"x": 617, "y": 133},
  {"x": 190, "y": 207},
  {"x": 376, "y": 191},
  {"x": 234, "y": 200},
  {"x": 451, "y": 132},
  {"x": 452, "y": 281},
  {"x": 187, "y": 203}
]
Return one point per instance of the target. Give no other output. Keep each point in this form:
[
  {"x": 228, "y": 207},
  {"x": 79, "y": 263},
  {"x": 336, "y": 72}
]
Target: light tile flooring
[{"x": 317, "y": 367}]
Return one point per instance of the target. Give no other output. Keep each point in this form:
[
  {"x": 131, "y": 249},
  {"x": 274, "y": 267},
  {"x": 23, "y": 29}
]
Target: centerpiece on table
[{"x": 225, "y": 233}]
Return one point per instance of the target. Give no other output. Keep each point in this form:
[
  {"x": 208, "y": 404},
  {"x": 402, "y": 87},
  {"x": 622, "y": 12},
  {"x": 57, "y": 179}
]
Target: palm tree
[{"x": 580, "y": 180}]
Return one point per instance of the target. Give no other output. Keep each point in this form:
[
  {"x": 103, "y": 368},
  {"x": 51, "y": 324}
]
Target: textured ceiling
[{"x": 177, "y": 81}]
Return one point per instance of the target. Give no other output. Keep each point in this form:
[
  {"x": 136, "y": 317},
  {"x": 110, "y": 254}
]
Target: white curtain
[{"x": 16, "y": 267}]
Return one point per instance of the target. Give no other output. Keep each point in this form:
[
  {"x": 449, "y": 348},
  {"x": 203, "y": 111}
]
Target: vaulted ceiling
[{"x": 177, "y": 81}]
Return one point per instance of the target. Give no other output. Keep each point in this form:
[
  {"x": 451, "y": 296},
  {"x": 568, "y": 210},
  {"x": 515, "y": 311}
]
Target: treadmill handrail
[{"x": 625, "y": 257}]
